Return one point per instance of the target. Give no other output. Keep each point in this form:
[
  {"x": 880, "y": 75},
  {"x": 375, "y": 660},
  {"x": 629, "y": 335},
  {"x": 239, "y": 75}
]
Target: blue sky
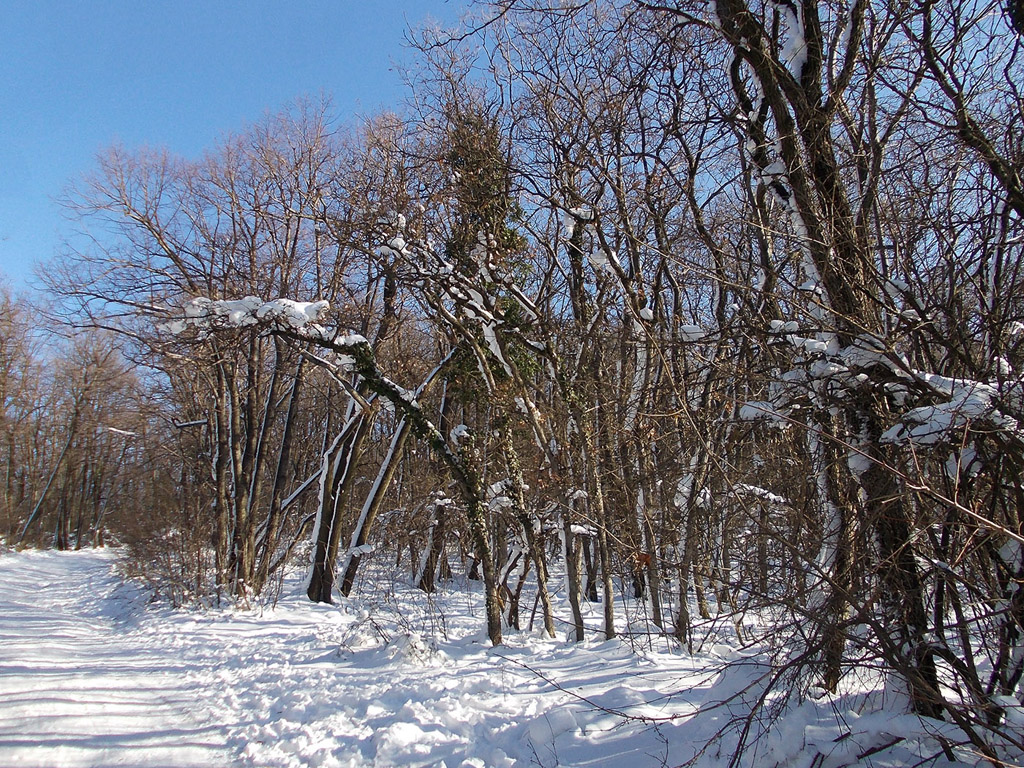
[{"x": 78, "y": 76}]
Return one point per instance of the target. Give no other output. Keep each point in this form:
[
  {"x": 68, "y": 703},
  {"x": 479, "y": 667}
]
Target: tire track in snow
[{"x": 78, "y": 687}]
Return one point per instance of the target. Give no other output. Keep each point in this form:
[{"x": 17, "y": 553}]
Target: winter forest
[{"x": 688, "y": 324}]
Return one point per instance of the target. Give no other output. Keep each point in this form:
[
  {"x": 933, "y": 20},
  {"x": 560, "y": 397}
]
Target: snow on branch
[
  {"x": 299, "y": 321},
  {"x": 794, "y": 51},
  {"x": 470, "y": 296},
  {"x": 933, "y": 410},
  {"x": 971, "y": 403},
  {"x": 207, "y": 314}
]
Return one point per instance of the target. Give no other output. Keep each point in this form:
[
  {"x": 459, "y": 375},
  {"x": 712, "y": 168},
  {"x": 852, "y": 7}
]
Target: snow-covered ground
[
  {"x": 93, "y": 675},
  {"x": 82, "y": 686}
]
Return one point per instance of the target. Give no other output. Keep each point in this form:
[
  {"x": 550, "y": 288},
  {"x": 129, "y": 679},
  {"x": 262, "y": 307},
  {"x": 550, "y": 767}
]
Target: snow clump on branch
[{"x": 207, "y": 314}]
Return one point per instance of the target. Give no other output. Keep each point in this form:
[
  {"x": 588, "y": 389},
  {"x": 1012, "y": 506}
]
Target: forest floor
[{"x": 93, "y": 674}]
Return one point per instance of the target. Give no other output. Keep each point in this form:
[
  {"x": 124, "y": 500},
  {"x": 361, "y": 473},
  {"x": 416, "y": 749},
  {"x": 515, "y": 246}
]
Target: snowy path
[
  {"x": 90, "y": 675},
  {"x": 93, "y": 676},
  {"x": 79, "y": 686}
]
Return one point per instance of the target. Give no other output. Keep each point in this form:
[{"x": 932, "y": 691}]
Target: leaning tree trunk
[
  {"x": 267, "y": 544},
  {"x": 371, "y": 506}
]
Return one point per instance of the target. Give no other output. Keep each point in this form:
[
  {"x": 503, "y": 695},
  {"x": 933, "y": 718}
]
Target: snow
[
  {"x": 763, "y": 493},
  {"x": 794, "y": 52},
  {"x": 815, "y": 346},
  {"x": 80, "y": 684},
  {"x": 94, "y": 674},
  {"x": 1013, "y": 712},
  {"x": 691, "y": 332},
  {"x": 896, "y": 287},
  {"x": 1012, "y": 554},
  {"x": 296, "y": 313},
  {"x": 581, "y": 213},
  {"x": 601, "y": 259},
  {"x": 759, "y": 409},
  {"x": 969, "y": 401},
  {"x": 684, "y": 488},
  {"x": 351, "y": 340},
  {"x": 784, "y": 326},
  {"x": 304, "y": 684},
  {"x": 858, "y": 462},
  {"x": 963, "y": 463},
  {"x": 204, "y": 313}
]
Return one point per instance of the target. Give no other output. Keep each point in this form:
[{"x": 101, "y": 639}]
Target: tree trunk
[
  {"x": 434, "y": 548},
  {"x": 371, "y": 505},
  {"x": 336, "y": 479},
  {"x": 269, "y": 541},
  {"x": 571, "y": 552}
]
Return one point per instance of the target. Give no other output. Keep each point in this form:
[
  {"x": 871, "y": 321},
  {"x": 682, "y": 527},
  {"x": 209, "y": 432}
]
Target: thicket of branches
[
  {"x": 75, "y": 424},
  {"x": 719, "y": 306}
]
